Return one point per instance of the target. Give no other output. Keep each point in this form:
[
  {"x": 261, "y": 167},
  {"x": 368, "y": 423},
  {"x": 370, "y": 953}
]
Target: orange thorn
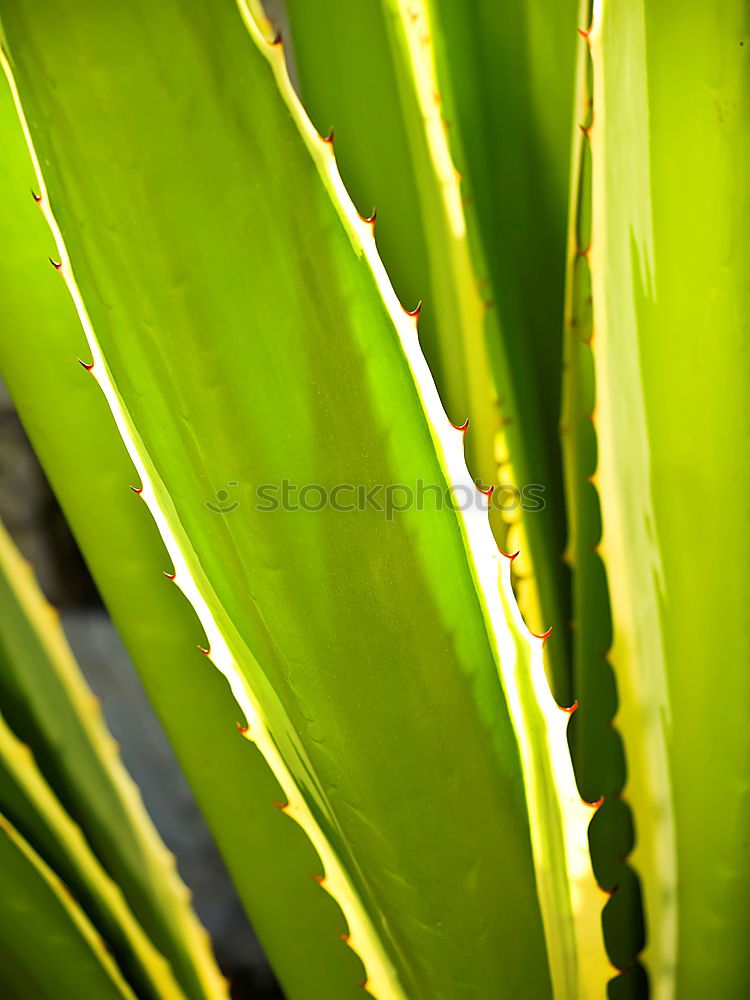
[
  {"x": 170, "y": 576},
  {"x": 570, "y": 709},
  {"x": 594, "y": 805},
  {"x": 137, "y": 490},
  {"x": 84, "y": 365},
  {"x": 282, "y": 806},
  {"x": 509, "y": 555},
  {"x": 243, "y": 729},
  {"x": 488, "y": 493},
  {"x": 415, "y": 311},
  {"x": 544, "y": 636},
  {"x": 206, "y": 652},
  {"x": 57, "y": 264},
  {"x": 460, "y": 427}
]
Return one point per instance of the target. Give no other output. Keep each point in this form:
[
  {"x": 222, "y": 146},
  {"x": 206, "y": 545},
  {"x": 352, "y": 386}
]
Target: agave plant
[{"x": 370, "y": 577}]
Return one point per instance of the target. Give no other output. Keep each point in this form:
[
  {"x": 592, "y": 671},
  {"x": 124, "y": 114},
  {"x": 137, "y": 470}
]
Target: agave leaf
[
  {"x": 46, "y": 702},
  {"x": 243, "y": 331},
  {"x": 397, "y": 150},
  {"x": 506, "y": 74},
  {"x": 393, "y": 154},
  {"x": 669, "y": 262},
  {"x": 596, "y": 744},
  {"x": 73, "y": 435},
  {"x": 27, "y": 801},
  {"x": 49, "y": 948}
]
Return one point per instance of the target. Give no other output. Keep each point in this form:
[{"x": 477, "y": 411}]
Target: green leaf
[
  {"x": 392, "y": 143},
  {"x": 243, "y": 331},
  {"x": 506, "y": 74},
  {"x": 46, "y": 702},
  {"x": 393, "y": 155},
  {"x": 669, "y": 264},
  {"x": 27, "y": 801},
  {"x": 72, "y": 432},
  {"x": 48, "y": 947}
]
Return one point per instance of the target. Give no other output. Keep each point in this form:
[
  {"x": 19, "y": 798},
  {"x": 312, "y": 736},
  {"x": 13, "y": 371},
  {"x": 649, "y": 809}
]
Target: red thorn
[
  {"x": 57, "y": 264},
  {"x": 137, "y": 490},
  {"x": 488, "y": 493},
  {"x": 544, "y": 636},
  {"x": 243, "y": 729},
  {"x": 206, "y": 652},
  {"x": 415, "y": 311},
  {"x": 346, "y": 938},
  {"x": 320, "y": 879},
  {"x": 570, "y": 709},
  {"x": 584, "y": 33},
  {"x": 371, "y": 218},
  {"x": 87, "y": 367},
  {"x": 277, "y": 37},
  {"x": 170, "y": 576},
  {"x": 594, "y": 805},
  {"x": 461, "y": 427},
  {"x": 329, "y": 137},
  {"x": 509, "y": 555},
  {"x": 37, "y": 197},
  {"x": 283, "y": 806}
]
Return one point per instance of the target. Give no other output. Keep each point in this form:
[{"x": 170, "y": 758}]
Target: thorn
[
  {"x": 488, "y": 493},
  {"x": 371, "y": 218},
  {"x": 570, "y": 709},
  {"x": 415, "y": 311},
  {"x": 170, "y": 576},
  {"x": 137, "y": 490},
  {"x": 283, "y": 806},
  {"x": 461, "y": 427},
  {"x": 544, "y": 636},
  {"x": 84, "y": 365},
  {"x": 329, "y": 137},
  {"x": 320, "y": 879},
  {"x": 509, "y": 555},
  {"x": 346, "y": 938},
  {"x": 243, "y": 729},
  {"x": 584, "y": 33},
  {"x": 594, "y": 805},
  {"x": 206, "y": 652},
  {"x": 37, "y": 197},
  {"x": 57, "y": 264},
  {"x": 277, "y": 37}
]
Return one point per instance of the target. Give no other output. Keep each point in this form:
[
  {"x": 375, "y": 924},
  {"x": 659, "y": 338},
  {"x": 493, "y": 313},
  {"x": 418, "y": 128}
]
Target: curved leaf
[
  {"x": 49, "y": 949},
  {"x": 73, "y": 435},
  {"x": 669, "y": 262},
  {"x": 248, "y": 343}
]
